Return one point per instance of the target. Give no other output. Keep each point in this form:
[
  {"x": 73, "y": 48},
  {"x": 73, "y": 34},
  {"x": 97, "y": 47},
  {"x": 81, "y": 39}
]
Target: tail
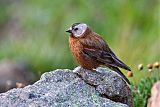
[
  {"x": 120, "y": 73},
  {"x": 119, "y": 63}
]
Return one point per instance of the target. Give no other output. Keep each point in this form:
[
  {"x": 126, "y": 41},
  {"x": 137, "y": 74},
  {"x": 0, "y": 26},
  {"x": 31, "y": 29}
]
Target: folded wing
[{"x": 105, "y": 58}]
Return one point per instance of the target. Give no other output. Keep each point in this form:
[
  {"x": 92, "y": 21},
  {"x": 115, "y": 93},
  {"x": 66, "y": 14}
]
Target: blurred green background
[{"x": 33, "y": 31}]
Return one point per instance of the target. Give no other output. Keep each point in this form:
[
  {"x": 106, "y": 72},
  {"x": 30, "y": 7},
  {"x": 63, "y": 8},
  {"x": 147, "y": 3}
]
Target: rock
[
  {"x": 63, "y": 88},
  {"x": 154, "y": 100},
  {"x": 109, "y": 84},
  {"x": 12, "y": 73}
]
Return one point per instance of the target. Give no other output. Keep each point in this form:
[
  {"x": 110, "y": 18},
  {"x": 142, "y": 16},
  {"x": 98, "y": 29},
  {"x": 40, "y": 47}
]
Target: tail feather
[
  {"x": 121, "y": 64},
  {"x": 120, "y": 73},
  {"x": 118, "y": 62}
]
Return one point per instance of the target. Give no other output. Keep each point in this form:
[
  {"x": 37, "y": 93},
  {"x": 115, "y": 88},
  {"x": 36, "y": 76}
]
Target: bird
[{"x": 92, "y": 51}]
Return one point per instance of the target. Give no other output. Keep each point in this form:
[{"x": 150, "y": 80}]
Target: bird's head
[{"x": 78, "y": 29}]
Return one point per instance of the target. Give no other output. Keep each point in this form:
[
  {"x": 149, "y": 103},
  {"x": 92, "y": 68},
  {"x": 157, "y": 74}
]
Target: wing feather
[{"x": 95, "y": 47}]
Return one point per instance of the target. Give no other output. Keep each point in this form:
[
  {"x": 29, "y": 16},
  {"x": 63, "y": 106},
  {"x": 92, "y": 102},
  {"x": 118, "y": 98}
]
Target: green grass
[
  {"x": 130, "y": 27},
  {"x": 142, "y": 90}
]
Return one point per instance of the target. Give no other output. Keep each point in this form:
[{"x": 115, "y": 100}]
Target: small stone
[{"x": 19, "y": 85}]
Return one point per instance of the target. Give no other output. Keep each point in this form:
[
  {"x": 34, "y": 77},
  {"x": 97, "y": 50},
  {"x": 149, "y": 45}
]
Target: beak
[{"x": 69, "y": 30}]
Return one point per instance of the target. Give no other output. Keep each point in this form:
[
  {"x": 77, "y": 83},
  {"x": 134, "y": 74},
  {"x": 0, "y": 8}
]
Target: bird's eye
[{"x": 76, "y": 29}]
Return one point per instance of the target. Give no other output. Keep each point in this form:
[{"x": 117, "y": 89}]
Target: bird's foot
[
  {"x": 94, "y": 69},
  {"x": 77, "y": 69}
]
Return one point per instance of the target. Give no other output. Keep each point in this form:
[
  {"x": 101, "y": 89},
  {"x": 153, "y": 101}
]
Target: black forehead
[{"x": 75, "y": 24}]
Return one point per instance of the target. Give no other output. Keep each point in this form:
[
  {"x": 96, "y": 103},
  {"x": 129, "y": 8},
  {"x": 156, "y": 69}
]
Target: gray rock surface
[
  {"x": 108, "y": 83},
  {"x": 63, "y": 88}
]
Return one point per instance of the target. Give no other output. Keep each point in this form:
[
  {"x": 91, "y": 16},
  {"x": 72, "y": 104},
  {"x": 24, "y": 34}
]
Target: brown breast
[{"x": 77, "y": 50}]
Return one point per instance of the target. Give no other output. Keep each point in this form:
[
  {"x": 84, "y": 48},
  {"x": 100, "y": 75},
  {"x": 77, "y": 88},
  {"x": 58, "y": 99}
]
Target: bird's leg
[
  {"x": 77, "y": 69},
  {"x": 94, "y": 69}
]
